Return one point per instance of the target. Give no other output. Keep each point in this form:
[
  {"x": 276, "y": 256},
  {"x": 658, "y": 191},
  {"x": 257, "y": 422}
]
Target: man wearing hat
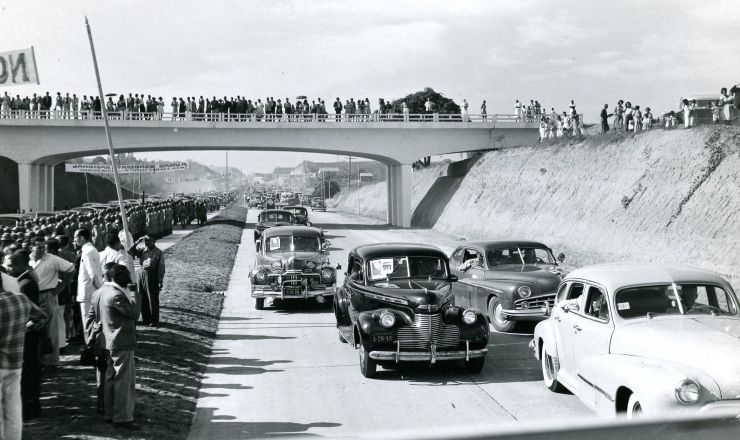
[{"x": 150, "y": 279}]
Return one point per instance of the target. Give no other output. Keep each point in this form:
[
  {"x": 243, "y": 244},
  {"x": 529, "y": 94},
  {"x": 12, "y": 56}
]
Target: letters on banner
[
  {"x": 125, "y": 169},
  {"x": 18, "y": 67}
]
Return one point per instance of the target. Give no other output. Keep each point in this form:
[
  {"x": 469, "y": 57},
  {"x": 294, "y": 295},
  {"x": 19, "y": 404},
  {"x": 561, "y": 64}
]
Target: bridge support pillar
[
  {"x": 399, "y": 195},
  {"x": 35, "y": 187}
]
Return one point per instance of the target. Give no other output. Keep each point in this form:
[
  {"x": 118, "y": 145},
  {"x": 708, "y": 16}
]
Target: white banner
[
  {"x": 125, "y": 169},
  {"x": 18, "y": 68}
]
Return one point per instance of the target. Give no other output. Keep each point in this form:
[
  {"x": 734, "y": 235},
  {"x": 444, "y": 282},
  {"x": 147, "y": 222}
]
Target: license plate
[
  {"x": 382, "y": 338},
  {"x": 294, "y": 292}
]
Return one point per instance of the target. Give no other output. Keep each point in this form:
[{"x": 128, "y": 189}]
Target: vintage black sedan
[
  {"x": 300, "y": 214},
  {"x": 509, "y": 280},
  {"x": 396, "y": 305},
  {"x": 292, "y": 263},
  {"x": 270, "y": 218}
]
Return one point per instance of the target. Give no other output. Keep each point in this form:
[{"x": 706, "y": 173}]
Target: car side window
[
  {"x": 596, "y": 304},
  {"x": 356, "y": 273},
  {"x": 456, "y": 257},
  {"x": 575, "y": 291},
  {"x": 562, "y": 292}
]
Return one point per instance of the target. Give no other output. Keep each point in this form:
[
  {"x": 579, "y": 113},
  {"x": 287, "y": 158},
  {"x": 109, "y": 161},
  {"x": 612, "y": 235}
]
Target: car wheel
[
  {"x": 496, "y": 317},
  {"x": 259, "y": 303},
  {"x": 475, "y": 365},
  {"x": 549, "y": 374},
  {"x": 367, "y": 365},
  {"x": 634, "y": 407}
]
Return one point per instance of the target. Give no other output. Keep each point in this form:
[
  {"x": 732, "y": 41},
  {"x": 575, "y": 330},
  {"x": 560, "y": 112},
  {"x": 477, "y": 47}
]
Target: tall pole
[
  {"x": 111, "y": 152},
  {"x": 349, "y": 174},
  {"x": 87, "y": 190},
  {"x": 359, "y": 197},
  {"x": 227, "y": 171}
]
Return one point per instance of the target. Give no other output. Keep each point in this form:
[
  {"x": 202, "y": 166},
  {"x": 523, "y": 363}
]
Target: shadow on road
[{"x": 240, "y": 430}]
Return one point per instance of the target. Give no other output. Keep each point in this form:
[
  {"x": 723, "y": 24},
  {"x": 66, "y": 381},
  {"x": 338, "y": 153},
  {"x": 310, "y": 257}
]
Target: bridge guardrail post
[{"x": 435, "y": 117}]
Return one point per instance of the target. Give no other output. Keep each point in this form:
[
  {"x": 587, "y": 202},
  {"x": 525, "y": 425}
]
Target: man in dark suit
[{"x": 118, "y": 313}]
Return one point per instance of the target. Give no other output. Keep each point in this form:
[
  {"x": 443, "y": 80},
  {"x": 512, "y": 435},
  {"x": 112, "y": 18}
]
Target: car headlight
[
  {"x": 687, "y": 392},
  {"x": 387, "y": 319},
  {"x": 524, "y": 291},
  {"x": 327, "y": 274},
  {"x": 260, "y": 276},
  {"x": 469, "y": 317},
  {"x": 310, "y": 265},
  {"x": 277, "y": 265}
]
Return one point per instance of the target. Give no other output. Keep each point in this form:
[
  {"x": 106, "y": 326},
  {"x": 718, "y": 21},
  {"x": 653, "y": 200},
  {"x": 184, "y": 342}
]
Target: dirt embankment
[
  {"x": 372, "y": 199},
  {"x": 667, "y": 196},
  {"x": 170, "y": 360}
]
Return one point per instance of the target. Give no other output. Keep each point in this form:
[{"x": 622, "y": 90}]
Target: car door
[
  {"x": 593, "y": 331},
  {"x": 460, "y": 288},
  {"x": 565, "y": 318},
  {"x": 475, "y": 295}
]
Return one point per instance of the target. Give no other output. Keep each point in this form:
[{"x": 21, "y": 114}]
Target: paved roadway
[{"x": 282, "y": 370}]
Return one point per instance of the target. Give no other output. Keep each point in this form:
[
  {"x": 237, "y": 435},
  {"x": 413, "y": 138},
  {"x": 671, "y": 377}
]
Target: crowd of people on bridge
[{"x": 70, "y": 278}]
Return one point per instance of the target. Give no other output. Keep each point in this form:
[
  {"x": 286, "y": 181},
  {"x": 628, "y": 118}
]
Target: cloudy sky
[{"x": 596, "y": 52}]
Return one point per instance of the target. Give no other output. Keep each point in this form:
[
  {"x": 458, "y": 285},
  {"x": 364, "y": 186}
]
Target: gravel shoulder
[{"x": 170, "y": 360}]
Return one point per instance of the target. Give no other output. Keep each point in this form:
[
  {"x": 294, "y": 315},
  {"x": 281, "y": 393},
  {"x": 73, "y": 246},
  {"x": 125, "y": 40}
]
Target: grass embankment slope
[
  {"x": 664, "y": 196},
  {"x": 372, "y": 199}
]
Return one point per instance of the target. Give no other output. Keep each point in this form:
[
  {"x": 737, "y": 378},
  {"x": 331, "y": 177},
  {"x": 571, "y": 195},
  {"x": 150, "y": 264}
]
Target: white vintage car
[{"x": 634, "y": 339}]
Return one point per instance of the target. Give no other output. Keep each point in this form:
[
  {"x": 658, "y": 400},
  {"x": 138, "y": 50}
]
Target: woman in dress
[
  {"x": 464, "y": 112},
  {"x": 686, "y": 107},
  {"x": 174, "y": 109},
  {"x": 726, "y": 101},
  {"x": 483, "y": 113}
]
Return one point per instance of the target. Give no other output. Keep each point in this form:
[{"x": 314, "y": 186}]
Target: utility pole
[
  {"x": 227, "y": 171},
  {"x": 359, "y": 199},
  {"x": 349, "y": 174}
]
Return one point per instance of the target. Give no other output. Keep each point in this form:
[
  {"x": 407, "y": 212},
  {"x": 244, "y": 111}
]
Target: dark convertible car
[
  {"x": 396, "y": 305},
  {"x": 509, "y": 280}
]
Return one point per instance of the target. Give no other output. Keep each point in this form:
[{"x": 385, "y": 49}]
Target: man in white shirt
[
  {"x": 90, "y": 277},
  {"x": 48, "y": 269},
  {"x": 111, "y": 252}
]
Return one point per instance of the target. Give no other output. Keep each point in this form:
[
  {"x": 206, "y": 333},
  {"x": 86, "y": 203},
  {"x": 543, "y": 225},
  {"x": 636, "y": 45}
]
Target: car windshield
[
  {"x": 275, "y": 217},
  {"x": 674, "y": 299},
  {"x": 520, "y": 255},
  {"x": 298, "y": 211},
  {"x": 407, "y": 267},
  {"x": 292, "y": 243}
]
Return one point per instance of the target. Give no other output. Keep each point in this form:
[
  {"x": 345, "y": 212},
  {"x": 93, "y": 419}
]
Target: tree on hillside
[
  {"x": 330, "y": 188},
  {"x": 415, "y": 102}
]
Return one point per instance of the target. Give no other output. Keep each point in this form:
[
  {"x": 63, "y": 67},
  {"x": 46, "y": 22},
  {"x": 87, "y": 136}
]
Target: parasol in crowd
[
  {"x": 111, "y": 94},
  {"x": 300, "y": 97}
]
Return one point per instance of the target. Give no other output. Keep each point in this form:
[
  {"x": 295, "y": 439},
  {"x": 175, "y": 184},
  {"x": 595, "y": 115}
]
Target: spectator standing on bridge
[
  {"x": 464, "y": 113},
  {"x": 151, "y": 277},
  {"x": 517, "y": 111},
  {"x": 428, "y": 106},
  {"x": 90, "y": 277},
  {"x": 18, "y": 315},
  {"x": 118, "y": 311},
  {"x": 483, "y": 111}
]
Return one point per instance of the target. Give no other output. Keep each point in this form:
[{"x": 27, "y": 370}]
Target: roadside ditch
[{"x": 170, "y": 360}]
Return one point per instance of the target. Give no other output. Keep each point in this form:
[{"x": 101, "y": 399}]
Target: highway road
[{"x": 282, "y": 370}]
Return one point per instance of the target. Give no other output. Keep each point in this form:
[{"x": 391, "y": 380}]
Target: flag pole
[{"x": 110, "y": 141}]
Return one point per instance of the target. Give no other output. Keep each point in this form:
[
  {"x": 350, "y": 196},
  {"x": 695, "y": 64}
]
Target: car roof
[
  {"x": 293, "y": 230},
  {"x": 508, "y": 244},
  {"x": 378, "y": 250},
  {"x": 616, "y": 275}
]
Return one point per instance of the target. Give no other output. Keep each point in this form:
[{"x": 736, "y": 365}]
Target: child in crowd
[{"x": 715, "y": 112}]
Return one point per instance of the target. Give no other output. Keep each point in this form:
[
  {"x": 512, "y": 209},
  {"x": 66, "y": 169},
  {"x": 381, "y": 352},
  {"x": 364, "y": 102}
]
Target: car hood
[
  {"x": 295, "y": 260},
  {"x": 416, "y": 292},
  {"x": 547, "y": 278},
  {"x": 710, "y": 344},
  {"x": 272, "y": 224}
]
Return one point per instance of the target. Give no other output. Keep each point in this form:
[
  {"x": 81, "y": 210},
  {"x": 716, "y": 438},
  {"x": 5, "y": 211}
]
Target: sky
[{"x": 595, "y": 52}]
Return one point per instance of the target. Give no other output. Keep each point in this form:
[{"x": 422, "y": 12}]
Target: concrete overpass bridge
[{"x": 37, "y": 142}]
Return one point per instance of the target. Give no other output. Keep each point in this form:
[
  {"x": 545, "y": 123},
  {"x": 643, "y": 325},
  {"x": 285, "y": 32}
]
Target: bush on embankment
[
  {"x": 372, "y": 199},
  {"x": 664, "y": 196}
]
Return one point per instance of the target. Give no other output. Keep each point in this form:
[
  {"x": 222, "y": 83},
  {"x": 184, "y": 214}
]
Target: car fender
[
  {"x": 341, "y": 307},
  {"x": 544, "y": 334},
  {"x": 653, "y": 380}
]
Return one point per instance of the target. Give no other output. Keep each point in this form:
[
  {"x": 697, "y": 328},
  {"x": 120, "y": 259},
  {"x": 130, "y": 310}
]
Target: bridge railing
[{"x": 261, "y": 117}]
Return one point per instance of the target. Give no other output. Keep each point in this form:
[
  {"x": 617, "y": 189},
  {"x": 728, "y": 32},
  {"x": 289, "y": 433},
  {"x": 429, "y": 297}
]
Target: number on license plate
[{"x": 382, "y": 338}]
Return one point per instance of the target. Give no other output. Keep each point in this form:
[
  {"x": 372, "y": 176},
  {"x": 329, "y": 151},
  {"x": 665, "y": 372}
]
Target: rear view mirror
[{"x": 561, "y": 257}]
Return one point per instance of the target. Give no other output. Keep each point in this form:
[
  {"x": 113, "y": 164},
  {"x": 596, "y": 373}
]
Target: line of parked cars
[{"x": 625, "y": 338}]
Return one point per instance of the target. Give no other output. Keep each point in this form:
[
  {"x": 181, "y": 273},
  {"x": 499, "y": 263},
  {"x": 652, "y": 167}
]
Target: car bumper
[
  {"x": 433, "y": 355},
  {"x": 722, "y": 407},
  {"x": 538, "y": 314},
  {"x": 268, "y": 292}
]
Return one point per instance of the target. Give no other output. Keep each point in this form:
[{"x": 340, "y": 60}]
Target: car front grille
[
  {"x": 535, "y": 302},
  {"x": 428, "y": 330}
]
